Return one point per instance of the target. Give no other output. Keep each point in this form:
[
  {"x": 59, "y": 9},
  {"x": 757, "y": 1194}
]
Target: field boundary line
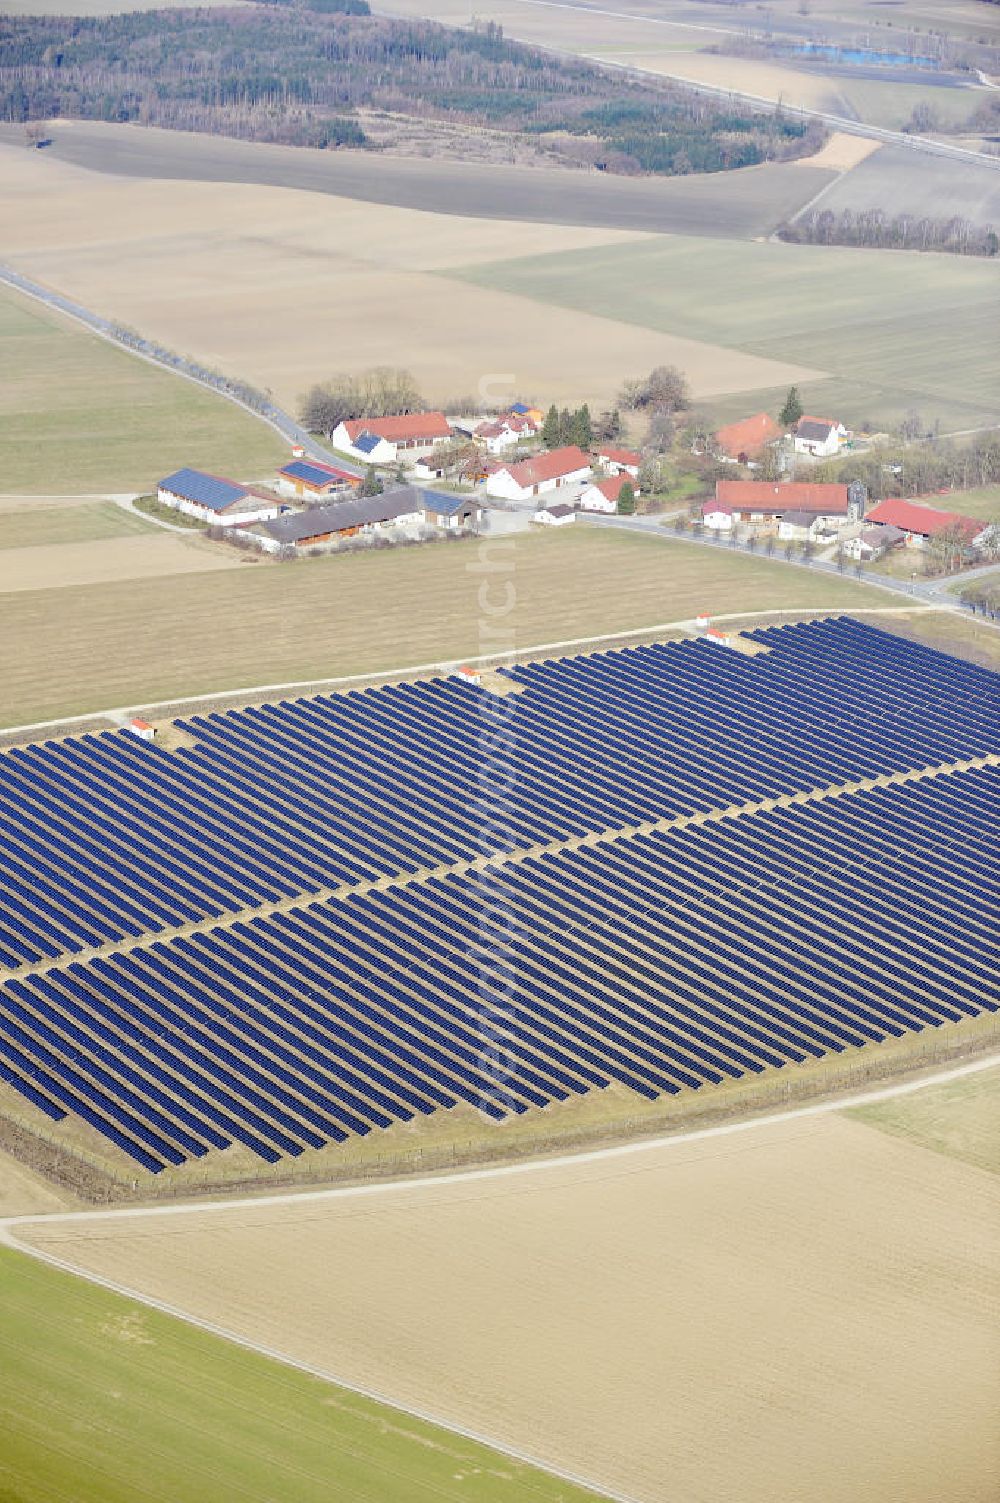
[
  {"x": 837, "y": 1103},
  {"x": 261, "y": 1349},
  {"x": 449, "y": 665},
  {"x": 275, "y": 417}
]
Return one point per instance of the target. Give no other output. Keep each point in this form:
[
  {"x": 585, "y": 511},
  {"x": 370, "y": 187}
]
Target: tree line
[
  {"x": 920, "y": 469},
  {"x": 298, "y": 73},
  {"x": 383, "y": 391},
  {"x": 872, "y": 227}
]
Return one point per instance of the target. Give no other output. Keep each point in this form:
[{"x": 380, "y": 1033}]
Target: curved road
[{"x": 268, "y": 412}]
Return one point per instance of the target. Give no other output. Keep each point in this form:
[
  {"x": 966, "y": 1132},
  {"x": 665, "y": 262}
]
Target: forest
[{"x": 298, "y": 74}]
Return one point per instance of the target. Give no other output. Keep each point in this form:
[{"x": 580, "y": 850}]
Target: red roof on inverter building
[{"x": 776, "y": 497}]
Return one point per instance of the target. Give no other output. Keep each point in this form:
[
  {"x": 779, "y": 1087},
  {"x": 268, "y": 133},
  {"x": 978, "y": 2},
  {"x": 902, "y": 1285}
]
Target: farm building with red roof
[
  {"x": 768, "y": 501},
  {"x": 380, "y": 440},
  {"x": 535, "y": 477},
  {"x": 602, "y": 495},
  {"x": 747, "y": 439},
  {"x": 618, "y": 461},
  {"x": 920, "y": 523}
]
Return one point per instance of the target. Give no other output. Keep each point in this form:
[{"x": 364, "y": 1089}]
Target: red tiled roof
[
  {"x": 612, "y": 487},
  {"x": 779, "y": 496},
  {"x": 824, "y": 422},
  {"x": 620, "y": 456},
  {"x": 549, "y": 466},
  {"x": 923, "y": 520},
  {"x": 749, "y": 436},
  {"x": 399, "y": 429}
]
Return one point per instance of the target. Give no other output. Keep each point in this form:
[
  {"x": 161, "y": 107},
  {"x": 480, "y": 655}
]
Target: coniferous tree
[
  {"x": 792, "y": 410},
  {"x": 626, "y": 499},
  {"x": 550, "y": 428}
]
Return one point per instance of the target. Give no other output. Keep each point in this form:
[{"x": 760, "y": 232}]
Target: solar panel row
[
  {"x": 660, "y": 963},
  {"x": 105, "y": 837}
]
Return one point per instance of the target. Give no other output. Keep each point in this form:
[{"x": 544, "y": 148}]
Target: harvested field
[
  {"x": 111, "y": 560},
  {"x": 691, "y": 1320},
  {"x": 335, "y": 285},
  {"x": 104, "y": 1400},
  {"x": 900, "y": 182},
  {"x": 31, "y": 525},
  {"x": 745, "y": 203},
  {"x": 960, "y": 1118},
  {"x": 841, "y": 152},
  {"x": 901, "y": 330},
  {"x": 77, "y": 414},
  {"x": 746, "y": 75},
  {"x": 60, "y": 649}
]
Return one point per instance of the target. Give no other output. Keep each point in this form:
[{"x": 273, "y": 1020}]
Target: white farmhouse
[
  {"x": 385, "y": 440},
  {"x": 620, "y": 461},
  {"x": 557, "y": 514},
  {"x": 602, "y": 495},
  {"x": 536, "y": 477},
  {"x": 819, "y": 437}
]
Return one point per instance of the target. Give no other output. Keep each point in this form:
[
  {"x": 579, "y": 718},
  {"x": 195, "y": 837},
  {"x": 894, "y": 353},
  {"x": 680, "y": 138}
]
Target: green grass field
[
  {"x": 61, "y": 649},
  {"x": 983, "y": 501},
  {"x": 105, "y": 1401},
  {"x": 960, "y": 1118},
  {"x": 39, "y": 526},
  {"x": 82, "y": 416},
  {"x": 895, "y": 330},
  {"x": 891, "y": 105}
]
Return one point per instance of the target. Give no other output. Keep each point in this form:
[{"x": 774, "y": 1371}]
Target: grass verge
[
  {"x": 149, "y": 506},
  {"x": 44, "y": 526},
  {"x": 960, "y": 1118}
]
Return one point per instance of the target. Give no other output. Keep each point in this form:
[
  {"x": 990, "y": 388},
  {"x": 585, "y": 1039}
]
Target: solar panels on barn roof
[
  {"x": 367, "y": 442},
  {"x": 207, "y": 490},
  {"x": 318, "y": 474},
  {"x": 443, "y": 504}
]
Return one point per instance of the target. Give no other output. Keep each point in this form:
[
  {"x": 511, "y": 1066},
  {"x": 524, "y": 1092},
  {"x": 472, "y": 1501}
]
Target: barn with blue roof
[
  {"x": 214, "y": 499},
  {"x": 312, "y": 480}
]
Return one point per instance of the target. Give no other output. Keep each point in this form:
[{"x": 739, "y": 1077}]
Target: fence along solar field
[{"x": 270, "y": 938}]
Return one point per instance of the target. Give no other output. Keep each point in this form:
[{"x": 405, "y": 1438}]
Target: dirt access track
[{"x": 761, "y": 1313}]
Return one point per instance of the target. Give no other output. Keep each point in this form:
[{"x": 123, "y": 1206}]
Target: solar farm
[{"x": 652, "y": 871}]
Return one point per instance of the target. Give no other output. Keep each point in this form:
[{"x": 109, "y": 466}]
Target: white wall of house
[
  {"x": 615, "y": 467},
  {"x": 546, "y": 519},
  {"x": 254, "y": 511},
  {"x": 504, "y": 485},
  {"x": 719, "y": 521},
  {"x": 822, "y": 449},
  {"x": 594, "y": 499},
  {"x": 383, "y": 453},
  {"x": 499, "y": 443}
]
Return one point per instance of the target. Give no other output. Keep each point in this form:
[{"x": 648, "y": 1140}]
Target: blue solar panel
[
  {"x": 207, "y": 490},
  {"x": 664, "y": 962}
]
